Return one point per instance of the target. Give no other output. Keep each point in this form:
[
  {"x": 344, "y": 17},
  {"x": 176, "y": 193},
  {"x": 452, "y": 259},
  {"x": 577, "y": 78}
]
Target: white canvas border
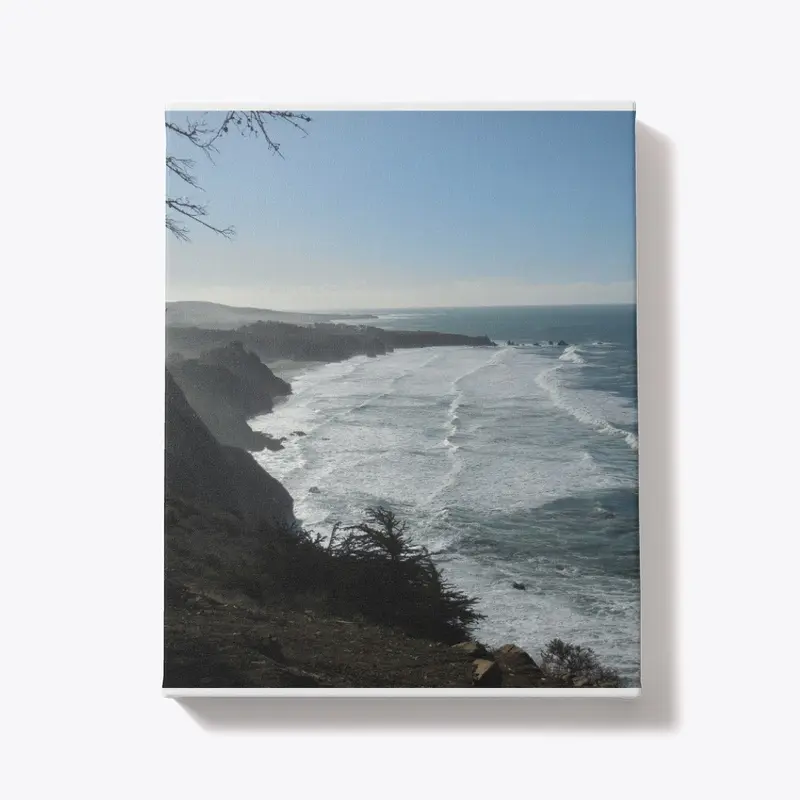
[
  {"x": 622, "y": 693},
  {"x": 589, "y": 105},
  {"x": 389, "y": 693}
]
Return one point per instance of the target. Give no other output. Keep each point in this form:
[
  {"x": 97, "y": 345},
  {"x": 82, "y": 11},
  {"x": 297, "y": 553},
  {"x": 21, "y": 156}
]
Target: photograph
[{"x": 401, "y": 411}]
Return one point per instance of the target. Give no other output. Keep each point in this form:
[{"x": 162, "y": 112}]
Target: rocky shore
[
  {"x": 253, "y": 601},
  {"x": 224, "y": 377}
]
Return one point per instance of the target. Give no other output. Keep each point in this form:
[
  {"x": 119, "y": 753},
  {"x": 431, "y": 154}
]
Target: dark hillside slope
[
  {"x": 198, "y": 467},
  {"x": 259, "y": 382},
  {"x": 227, "y": 386}
]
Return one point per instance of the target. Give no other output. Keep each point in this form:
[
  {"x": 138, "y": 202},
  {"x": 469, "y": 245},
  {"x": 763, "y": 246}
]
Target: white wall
[{"x": 84, "y": 93}]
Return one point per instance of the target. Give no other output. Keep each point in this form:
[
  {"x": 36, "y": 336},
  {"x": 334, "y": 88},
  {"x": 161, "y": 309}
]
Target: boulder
[
  {"x": 518, "y": 667},
  {"x": 518, "y": 585},
  {"x": 486, "y": 673},
  {"x": 298, "y": 433},
  {"x": 472, "y": 649},
  {"x": 562, "y": 343},
  {"x": 511, "y": 653}
]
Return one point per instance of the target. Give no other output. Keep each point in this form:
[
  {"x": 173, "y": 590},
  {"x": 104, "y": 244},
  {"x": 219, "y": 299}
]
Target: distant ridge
[{"x": 202, "y": 314}]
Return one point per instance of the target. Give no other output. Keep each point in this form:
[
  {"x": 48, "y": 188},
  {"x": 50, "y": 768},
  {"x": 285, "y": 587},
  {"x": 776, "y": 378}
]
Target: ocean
[{"x": 511, "y": 464}]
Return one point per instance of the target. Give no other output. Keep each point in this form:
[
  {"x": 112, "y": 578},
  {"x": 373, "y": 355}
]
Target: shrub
[
  {"x": 372, "y": 568},
  {"x": 396, "y": 581},
  {"x": 570, "y": 662}
]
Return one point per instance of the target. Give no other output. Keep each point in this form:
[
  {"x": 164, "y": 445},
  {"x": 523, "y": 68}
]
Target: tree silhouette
[{"x": 206, "y": 137}]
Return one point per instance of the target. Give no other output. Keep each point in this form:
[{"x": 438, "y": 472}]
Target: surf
[
  {"x": 573, "y": 403},
  {"x": 480, "y": 450}
]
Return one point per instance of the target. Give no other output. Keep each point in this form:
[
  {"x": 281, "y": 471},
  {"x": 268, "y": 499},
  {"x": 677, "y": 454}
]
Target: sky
[{"x": 401, "y": 209}]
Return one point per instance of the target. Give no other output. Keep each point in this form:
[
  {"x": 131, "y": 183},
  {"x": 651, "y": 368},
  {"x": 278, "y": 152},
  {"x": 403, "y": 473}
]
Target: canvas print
[{"x": 401, "y": 445}]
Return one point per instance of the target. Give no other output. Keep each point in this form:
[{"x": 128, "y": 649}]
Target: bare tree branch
[
  {"x": 182, "y": 168},
  {"x": 205, "y": 137},
  {"x": 196, "y": 132},
  {"x": 177, "y": 229},
  {"x": 195, "y": 212}
]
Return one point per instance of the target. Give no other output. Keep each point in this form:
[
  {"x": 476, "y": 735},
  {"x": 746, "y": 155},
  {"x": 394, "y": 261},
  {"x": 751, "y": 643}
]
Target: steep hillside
[
  {"x": 226, "y": 386},
  {"x": 245, "y": 608},
  {"x": 198, "y": 467},
  {"x": 259, "y": 385}
]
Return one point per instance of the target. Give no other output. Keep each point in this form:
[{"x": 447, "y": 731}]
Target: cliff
[
  {"x": 320, "y": 342},
  {"x": 259, "y": 385},
  {"x": 226, "y": 386},
  {"x": 199, "y": 468}
]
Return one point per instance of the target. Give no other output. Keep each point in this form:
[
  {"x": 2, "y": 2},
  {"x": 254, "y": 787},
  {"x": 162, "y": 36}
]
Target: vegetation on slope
[
  {"x": 254, "y": 600},
  {"x": 273, "y": 605}
]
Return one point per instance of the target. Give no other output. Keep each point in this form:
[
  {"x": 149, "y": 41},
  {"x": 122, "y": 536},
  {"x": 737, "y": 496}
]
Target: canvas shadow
[{"x": 656, "y": 708}]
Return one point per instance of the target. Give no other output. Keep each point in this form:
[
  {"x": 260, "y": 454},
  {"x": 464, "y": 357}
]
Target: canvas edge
[
  {"x": 621, "y": 693},
  {"x": 592, "y": 105},
  {"x": 627, "y": 693}
]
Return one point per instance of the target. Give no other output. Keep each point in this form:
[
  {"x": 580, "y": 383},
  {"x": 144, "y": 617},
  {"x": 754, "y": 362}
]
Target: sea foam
[
  {"x": 578, "y": 404},
  {"x": 572, "y": 354},
  {"x": 472, "y": 448}
]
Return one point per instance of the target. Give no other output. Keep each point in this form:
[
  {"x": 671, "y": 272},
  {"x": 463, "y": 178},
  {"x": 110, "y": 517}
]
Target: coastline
[
  {"x": 289, "y": 369},
  {"x": 320, "y": 509}
]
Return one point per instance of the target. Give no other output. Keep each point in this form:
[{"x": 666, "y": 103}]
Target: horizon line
[{"x": 330, "y": 309}]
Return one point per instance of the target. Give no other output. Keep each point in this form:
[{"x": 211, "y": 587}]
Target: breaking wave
[
  {"x": 486, "y": 453},
  {"x": 571, "y": 354},
  {"x": 578, "y": 405}
]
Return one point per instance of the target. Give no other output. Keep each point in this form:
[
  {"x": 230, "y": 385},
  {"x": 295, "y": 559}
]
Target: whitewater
[{"x": 511, "y": 464}]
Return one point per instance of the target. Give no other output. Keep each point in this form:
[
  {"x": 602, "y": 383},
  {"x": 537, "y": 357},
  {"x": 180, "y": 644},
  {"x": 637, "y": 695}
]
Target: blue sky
[{"x": 429, "y": 208}]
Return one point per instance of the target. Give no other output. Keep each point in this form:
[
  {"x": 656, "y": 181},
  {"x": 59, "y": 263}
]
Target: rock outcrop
[
  {"x": 259, "y": 384},
  {"x": 198, "y": 467},
  {"x": 226, "y": 386},
  {"x": 472, "y": 649},
  {"x": 518, "y": 668},
  {"x": 486, "y": 673}
]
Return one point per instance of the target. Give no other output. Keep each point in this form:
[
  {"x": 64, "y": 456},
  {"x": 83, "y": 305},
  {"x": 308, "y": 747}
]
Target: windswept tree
[{"x": 206, "y": 133}]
